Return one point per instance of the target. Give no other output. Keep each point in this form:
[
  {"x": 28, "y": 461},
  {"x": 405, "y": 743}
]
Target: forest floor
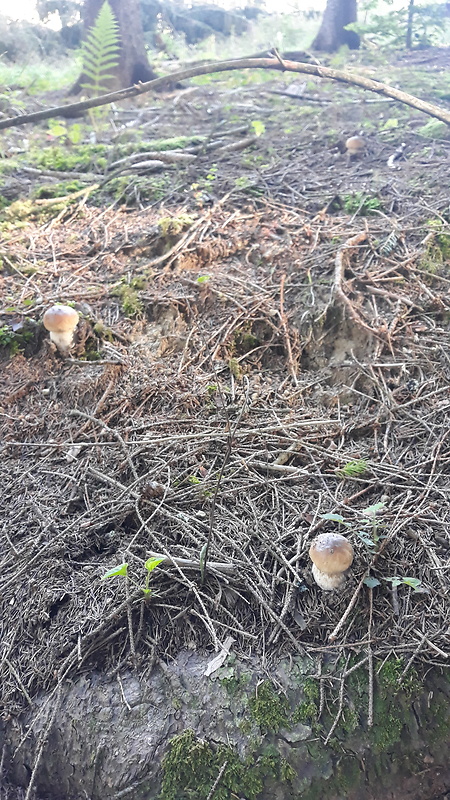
[{"x": 264, "y": 339}]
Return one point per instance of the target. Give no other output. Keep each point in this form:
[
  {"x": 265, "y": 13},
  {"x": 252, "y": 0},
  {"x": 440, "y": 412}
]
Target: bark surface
[
  {"x": 109, "y": 736},
  {"x": 332, "y": 34}
]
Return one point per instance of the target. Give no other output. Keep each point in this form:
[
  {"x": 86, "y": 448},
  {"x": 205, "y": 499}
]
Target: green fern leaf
[{"x": 100, "y": 51}]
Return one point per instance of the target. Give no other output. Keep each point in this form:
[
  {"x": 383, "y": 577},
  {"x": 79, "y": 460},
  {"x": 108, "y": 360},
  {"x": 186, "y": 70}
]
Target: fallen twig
[{"x": 227, "y": 66}]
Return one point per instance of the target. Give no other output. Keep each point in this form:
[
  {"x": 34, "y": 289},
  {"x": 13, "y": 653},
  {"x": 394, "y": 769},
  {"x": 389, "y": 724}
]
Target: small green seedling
[
  {"x": 353, "y": 469},
  {"x": 335, "y": 518},
  {"x": 413, "y": 583},
  {"x": 122, "y": 571},
  {"x": 258, "y": 127},
  {"x": 150, "y": 565},
  {"x": 370, "y": 534}
]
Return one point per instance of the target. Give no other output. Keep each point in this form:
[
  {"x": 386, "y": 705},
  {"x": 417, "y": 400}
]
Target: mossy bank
[{"x": 301, "y": 731}]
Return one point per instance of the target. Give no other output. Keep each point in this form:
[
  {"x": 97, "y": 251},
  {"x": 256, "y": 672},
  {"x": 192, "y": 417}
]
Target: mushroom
[
  {"x": 61, "y": 321},
  {"x": 355, "y": 146},
  {"x": 332, "y": 555}
]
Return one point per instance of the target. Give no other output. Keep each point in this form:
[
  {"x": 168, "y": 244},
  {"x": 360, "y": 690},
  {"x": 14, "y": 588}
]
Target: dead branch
[{"x": 226, "y": 66}]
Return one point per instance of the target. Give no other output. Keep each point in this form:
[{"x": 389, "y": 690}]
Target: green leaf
[
  {"x": 394, "y": 581},
  {"x": 74, "y": 133},
  {"x": 390, "y": 123},
  {"x": 335, "y": 518},
  {"x": 152, "y": 563},
  {"x": 100, "y": 51},
  {"x": 365, "y": 538},
  {"x": 258, "y": 127},
  {"x": 413, "y": 582},
  {"x": 203, "y": 278},
  {"x": 372, "y": 511},
  {"x": 56, "y": 129},
  {"x": 371, "y": 582},
  {"x": 122, "y": 569}
]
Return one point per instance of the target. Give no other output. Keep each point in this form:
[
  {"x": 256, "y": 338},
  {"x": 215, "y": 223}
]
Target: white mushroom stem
[
  {"x": 63, "y": 340},
  {"x": 328, "y": 582}
]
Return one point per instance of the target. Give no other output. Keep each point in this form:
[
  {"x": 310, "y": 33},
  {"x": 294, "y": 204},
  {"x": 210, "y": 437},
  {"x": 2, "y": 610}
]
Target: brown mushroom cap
[
  {"x": 355, "y": 144},
  {"x": 60, "y": 319},
  {"x": 331, "y": 553}
]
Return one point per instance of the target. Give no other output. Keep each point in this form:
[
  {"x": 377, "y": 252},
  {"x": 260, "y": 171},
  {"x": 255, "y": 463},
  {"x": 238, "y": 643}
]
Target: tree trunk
[
  {"x": 133, "y": 64},
  {"x": 236, "y": 729},
  {"x": 409, "y": 26},
  {"x": 332, "y": 34}
]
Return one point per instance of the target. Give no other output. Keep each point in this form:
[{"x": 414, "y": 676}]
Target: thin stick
[
  {"x": 340, "y": 707},
  {"x": 370, "y": 664},
  {"x": 287, "y": 338},
  {"x": 130, "y": 620},
  {"x": 205, "y": 549},
  {"x": 216, "y": 782},
  {"x": 227, "y": 66},
  {"x": 43, "y": 740}
]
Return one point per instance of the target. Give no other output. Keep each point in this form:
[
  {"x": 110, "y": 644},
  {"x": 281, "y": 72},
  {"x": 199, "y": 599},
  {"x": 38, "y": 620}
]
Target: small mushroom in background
[
  {"x": 355, "y": 146},
  {"x": 61, "y": 321},
  {"x": 331, "y": 554}
]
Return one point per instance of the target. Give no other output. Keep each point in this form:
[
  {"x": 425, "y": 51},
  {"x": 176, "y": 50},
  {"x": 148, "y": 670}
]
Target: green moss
[
  {"x": 390, "y": 711},
  {"x": 192, "y": 765},
  {"x": 244, "y": 341},
  {"x": 19, "y": 210},
  {"x": 19, "y": 213},
  {"x": 132, "y": 306},
  {"x": 438, "y": 729},
  {"x": 443, "y": 242},
  {"x": 235, "y": 368},
  {"x": 390, "y": 677},
  {"x": 349, "y": 721},
  {"x": 83, "y": 158},
  {"x": 347, "y": 774},
  {"x": 132, "y": 190},
  {"x": 12, "y": 342},
  {"x": 58, "y": 189},
  {"x": 361, "y": 204},
  {"x": 307, "y": 711},
  {"x": 431, "y": 260},
  {"x": 8, "y": 339},
  {"x": 103, "y": 332},
  {"x": 173, "y": 226},
  {"x": 174, "y": 143},
  {"x": 268, "y": 708},
  {"x": 138, "y": 283},
  {"x": 9, "y": 165},
  {"x": 435, "y": 129}
]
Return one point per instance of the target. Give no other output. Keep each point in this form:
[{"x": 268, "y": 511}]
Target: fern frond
[{"x": 100, "y": 51}]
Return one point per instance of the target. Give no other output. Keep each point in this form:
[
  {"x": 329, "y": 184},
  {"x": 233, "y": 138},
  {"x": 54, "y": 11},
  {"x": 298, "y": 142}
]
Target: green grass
[
  {"x": 40, "y": 76},
  {"x": 284, "y": 31}
]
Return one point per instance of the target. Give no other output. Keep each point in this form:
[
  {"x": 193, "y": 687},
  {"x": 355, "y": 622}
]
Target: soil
[{"x": 264, "y": 339}]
